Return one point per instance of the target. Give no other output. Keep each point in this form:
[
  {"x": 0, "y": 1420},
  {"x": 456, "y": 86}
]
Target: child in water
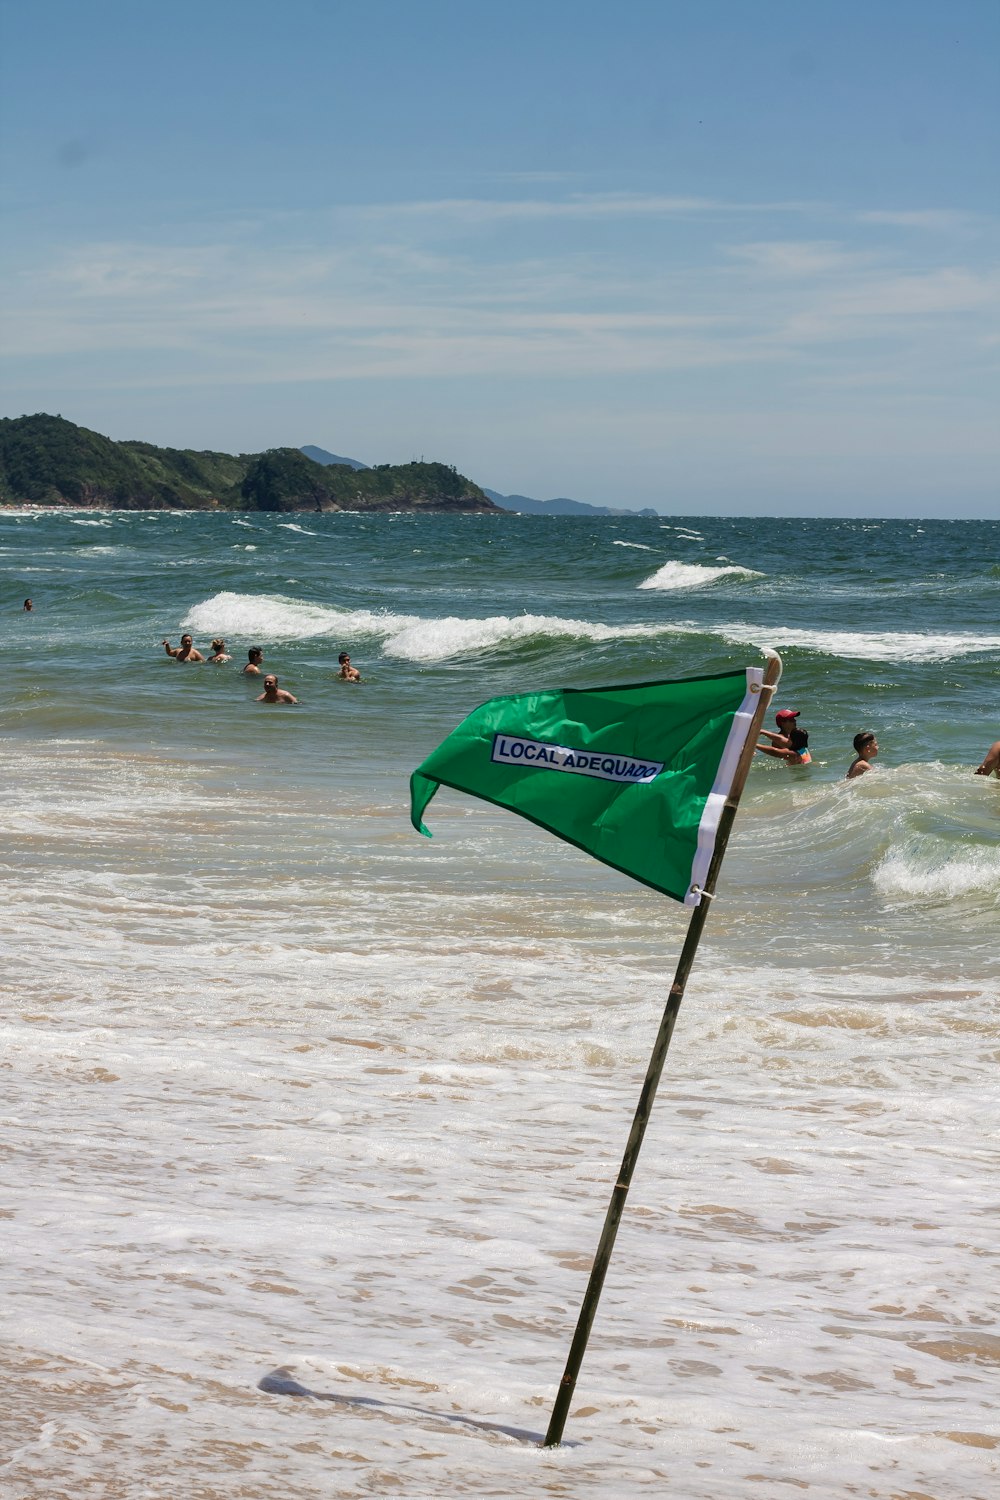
[
  {"x": 865, "y": 751},
  {"x": 796, "y": 753}
]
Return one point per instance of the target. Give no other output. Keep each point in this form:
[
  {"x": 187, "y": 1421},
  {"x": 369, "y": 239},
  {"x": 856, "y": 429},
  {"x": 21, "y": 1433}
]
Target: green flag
[{"x": 637, "y": 775}]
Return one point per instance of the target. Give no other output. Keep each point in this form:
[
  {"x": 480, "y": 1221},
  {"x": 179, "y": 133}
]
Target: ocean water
[{"x": 288, "y": 1089}]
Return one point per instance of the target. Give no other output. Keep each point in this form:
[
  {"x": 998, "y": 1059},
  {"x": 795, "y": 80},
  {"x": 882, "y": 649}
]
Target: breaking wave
[
  {"x": 269, "y": 617},
  {"x": 413, "y": 638},
  {"x": 266, "y": 617},
  {"x": 875, "y": 645},
  {"x": 677, "y": 575},
  {"x": 433, "y": 640},
  {"x": 909, "y": 878}
]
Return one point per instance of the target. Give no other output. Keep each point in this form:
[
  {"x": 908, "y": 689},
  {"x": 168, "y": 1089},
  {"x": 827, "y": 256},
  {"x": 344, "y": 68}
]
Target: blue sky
[{"x": 721, "y": 257}]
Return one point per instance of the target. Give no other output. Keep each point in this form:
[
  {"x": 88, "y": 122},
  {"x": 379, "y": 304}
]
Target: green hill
[
  {"x": 45, "y": 460},
  {"x": 285, "y": 479},
  {"x": 48, "y": 461}
]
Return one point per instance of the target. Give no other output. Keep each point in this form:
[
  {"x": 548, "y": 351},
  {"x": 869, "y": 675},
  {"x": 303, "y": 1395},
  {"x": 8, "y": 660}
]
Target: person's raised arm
[{"x": 779, "y": 753}]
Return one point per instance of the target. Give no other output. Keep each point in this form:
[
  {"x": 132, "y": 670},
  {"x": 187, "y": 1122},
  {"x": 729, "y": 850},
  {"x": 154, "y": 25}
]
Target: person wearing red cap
[{"x": 785, "y": 719}]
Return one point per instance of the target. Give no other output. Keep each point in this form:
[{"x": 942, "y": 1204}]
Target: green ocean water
[
  {"x": 882, "y": 625},
  {"x": 288, "y": 1086}
]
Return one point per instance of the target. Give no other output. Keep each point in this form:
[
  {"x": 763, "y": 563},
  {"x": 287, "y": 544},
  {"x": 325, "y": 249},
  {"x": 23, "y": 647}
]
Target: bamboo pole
[{"x": 657, "y": 1059}]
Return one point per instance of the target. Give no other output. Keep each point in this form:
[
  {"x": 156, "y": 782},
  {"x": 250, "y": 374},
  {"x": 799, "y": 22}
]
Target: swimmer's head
[
  {"x": 798, "y": 739},
  {"x": 255, "y": 654},
  {"x": 865, "y": 741},
  {"x": 270, "y": 680},
  {"x": 218, "y": 644},
  {"x": 343, "y": 657},
  {"x": 186, "y": 640}
]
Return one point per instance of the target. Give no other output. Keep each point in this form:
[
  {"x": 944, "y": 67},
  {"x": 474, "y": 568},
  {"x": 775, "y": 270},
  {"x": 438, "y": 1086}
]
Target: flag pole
[{"x": 616, "y": 1207}]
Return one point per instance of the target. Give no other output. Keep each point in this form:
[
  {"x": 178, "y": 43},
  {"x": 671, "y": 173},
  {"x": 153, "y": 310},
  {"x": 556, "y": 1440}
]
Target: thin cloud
[
  {"x": 392, "y": 296},
  {"x": 799, "y": 257},
  {"x": 859, "y": 308},
  {"x": 929, "y": 218},
  {"x": 578, "y": 206}
]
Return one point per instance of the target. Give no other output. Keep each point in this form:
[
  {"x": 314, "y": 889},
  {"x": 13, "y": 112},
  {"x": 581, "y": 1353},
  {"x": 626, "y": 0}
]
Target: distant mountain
[
  {"x": 45, "y": 460},
  {"x": 287, "y": 479},
  {"x": 320, "y": 456},
  {"x": 524, "y": 505},
  {"x": 521, "y": 504}
]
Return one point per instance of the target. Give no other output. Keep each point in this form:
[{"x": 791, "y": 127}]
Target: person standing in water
[
  {"x": 273, "y": 693},
  {"x": 795, "y": 753},
  {"x": 184, "y": 652},
  {"x": 27, "y": 606},
  {"x": 219, "y": 652},
  {"x": 254, "y": 658},
  {"x": 347, "y": 672},
  {"x": 785, "y": 719},
  {"x": 865, "y": 751}
]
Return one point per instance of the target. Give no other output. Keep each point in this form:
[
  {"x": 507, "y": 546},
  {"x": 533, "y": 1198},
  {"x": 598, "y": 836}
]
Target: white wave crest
[
  {"x": 292, "y": 526},
  {"x": 677, "y": 575},
  {"x": 267, "y": 617},
  {"x": 887, "y": 645},
  {"x": 433, "y": 640},
  {"x": 639, "y": 546},
  {"x": 964, "y": 874},
  {"x": 273, "y": 618}
]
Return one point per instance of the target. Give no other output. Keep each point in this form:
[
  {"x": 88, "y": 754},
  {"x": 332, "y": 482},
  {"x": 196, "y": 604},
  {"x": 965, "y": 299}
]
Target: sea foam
[
  {"x": 409, "y": 637},
  {"x": 413, "y": 638},
  {"x": 433, "y": 640},
  {"x": 677, "y": 575},
  {"x": 270, "y": 617},
  {"x": 887, "y": 645},
  {"x": 947, "y": 878}
]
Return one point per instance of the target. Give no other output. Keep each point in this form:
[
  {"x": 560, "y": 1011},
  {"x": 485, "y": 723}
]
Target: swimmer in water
[
  {"x": 991, "y": 761},
  {"x": 795, "y": 753},
  {"x": 27, "y": 606},
  {"x": 785, "y": 720},
  {"x": 254, "y": 658},
  {"x": 347, "y": 672},
  {"x": 273, "y": 693},
  {"x": 865, "y": 751},
  {"x": 184, "y": 652},
  {"x": 219, "y": 652}
]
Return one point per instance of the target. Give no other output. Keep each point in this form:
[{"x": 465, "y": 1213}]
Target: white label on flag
[{"x": 508, "y": 750}]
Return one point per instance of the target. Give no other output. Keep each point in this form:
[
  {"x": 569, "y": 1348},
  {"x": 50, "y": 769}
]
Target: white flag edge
[{"x": 708, "y": 828}]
